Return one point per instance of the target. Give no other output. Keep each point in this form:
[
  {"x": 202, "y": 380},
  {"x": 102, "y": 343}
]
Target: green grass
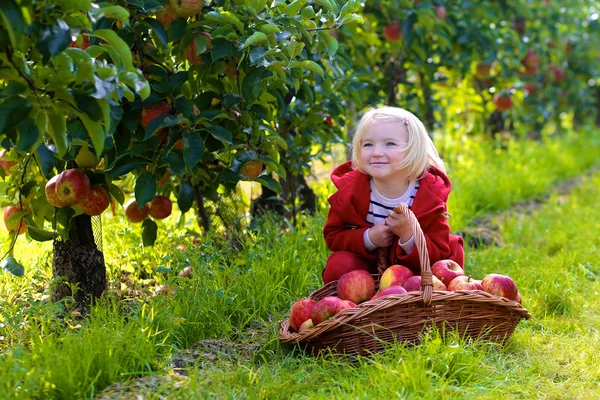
[{"x": 241, "y": 298}]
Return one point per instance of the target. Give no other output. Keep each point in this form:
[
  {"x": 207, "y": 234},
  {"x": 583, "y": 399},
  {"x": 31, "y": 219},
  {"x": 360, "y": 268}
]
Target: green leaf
[
  {"x": 327, "y": 4},
  {"x": 332, "y": 43},
  {"x": 63, "y": 221},
  {"x": 252, "y": 85},
  {"x": 149, "y": 232},
  {"x": 269, "y": 28},
  {"x": 269, "y": 182},
  {"x": 122, "y": 48},
  {"x": 29, "y": 135},
  {"x": 40, "y": 235},
  {"x": 95, "y": 131},
  {"x": 309, "y": 65},
  {"x": 159, "y": 29},
  {"x": 185, "y": 198},
  {"x": 193, "y": 148},
  {"x": 145, "y": 188},
  {"x": 221, "y": 48},
  {"x": 54, "y": 40},
  {"x": 57, "y": 129},
  {"x": 292, "y": 9},
  {"x": 255, "y": 38},
  {"x": 113, "y": 12},
  {"x": 220, "y": 133},
  {"x": 46, "y": 159},
  {"x": 117, "y": 193},
  {"x": 12, "y": 21},
  {"x": 12, "y": 266},
  {"x": 13, "y": 110},
  {"x": 224, "y": 18},
  {"x": 124, "y": 165}
]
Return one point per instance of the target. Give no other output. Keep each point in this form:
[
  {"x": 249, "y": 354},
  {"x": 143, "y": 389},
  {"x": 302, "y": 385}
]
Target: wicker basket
[{"x": 404, "y": 317}]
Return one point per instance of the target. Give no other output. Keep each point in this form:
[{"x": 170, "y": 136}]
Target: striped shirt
[{"x": 380, "y": 207}]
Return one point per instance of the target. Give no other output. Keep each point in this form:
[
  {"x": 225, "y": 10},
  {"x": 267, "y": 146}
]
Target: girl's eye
[
  {"x": 367, "y": 145},
  {"x": 391, "y": 144}
]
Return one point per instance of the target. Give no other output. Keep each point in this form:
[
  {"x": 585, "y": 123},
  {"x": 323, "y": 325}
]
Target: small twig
[{"x": 326, "y": 28}]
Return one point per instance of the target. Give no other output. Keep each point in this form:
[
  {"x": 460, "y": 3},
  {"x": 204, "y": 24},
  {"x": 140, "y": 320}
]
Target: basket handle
[{"x": 421, "y": 243}]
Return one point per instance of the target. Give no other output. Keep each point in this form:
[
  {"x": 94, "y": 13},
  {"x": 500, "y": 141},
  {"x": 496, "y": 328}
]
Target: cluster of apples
[
  {"x": 359, "y": 286},
  {"x": 159, "y": 208},
  {"x": 72, "y": 187}
]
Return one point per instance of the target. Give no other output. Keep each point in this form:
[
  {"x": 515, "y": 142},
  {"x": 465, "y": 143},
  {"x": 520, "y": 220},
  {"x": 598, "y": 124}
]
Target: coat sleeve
[
  {"x": 437, "y": 236},
  {"x": 340, "y": 236}
]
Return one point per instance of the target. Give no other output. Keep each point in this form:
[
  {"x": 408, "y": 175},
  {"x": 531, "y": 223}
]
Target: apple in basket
[
  {"x": 356, "y": 286},
  {"x": 519, "y": 299},
  {"x": 300, "y": 312},
  {"x": 394, "y": 275},
  {"x": 446, "y": 270},
  {"x": 500, "y": 285},
  {"x": 306, "y": 325},
  {"x": 395, "y": 289},
  {"x": 414, "y": 284},
  {"x": 464, "y": 283},
  {"x": 327, "y": 307}
]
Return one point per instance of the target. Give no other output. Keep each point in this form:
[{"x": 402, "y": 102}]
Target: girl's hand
[
  {"x": 381, "y": 235},
  {"x": 399, "y": 225}
]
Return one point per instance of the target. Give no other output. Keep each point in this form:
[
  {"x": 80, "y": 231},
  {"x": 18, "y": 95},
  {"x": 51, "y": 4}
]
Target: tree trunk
[
  {"x": 203, "y": 218},
  {"x": 78, "y": 263}
]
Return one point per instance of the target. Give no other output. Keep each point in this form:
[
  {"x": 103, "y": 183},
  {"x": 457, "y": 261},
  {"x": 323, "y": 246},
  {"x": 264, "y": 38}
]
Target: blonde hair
[{"x": 420, "y": 151}]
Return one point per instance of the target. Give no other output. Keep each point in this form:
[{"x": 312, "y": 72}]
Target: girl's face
[{"x": 382, "y": 150}]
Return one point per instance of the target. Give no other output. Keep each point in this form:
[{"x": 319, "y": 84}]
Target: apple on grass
[
  {"x": 327, "y": 307},
  {"x": 394, "y": 275},
  {"x": 301, "y": 311},
  {"x": 394, "y": 289},
  {"x": 446, "y": 270},
  {"x": 96, "y": 201},
  {"x": 72, "y": 186},
  {"x": 134, "y": 213},
  {"x": 356, "y": 286},
  {"x": 464, "y": 283},
  {"x": 413, "y": 284},
  {"x": 500, "y": 285}
]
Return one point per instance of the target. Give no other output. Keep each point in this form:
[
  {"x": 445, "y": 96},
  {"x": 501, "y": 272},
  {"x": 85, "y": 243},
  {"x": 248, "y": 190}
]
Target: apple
[
  {"x": 10, "y": 210},
  {"x": 500, "y": 285},
  {"x": 160, "y": 207},
  {"x": 187, "y": 8},
  {"x": 519, "y": 299},
  {"x": 301, "y": 311},
  {"x": 441, "y": 12},
  {"x": 165, "y": 178},
  {"x": 482, "y": 70},
  {"x": 85, "y": 158},
  {"x": 446, "y": 270},
  {"x": 252, "y": 169},
  {"x": 503, "y": 102},
  {"x": 178, "y": 145},
  {"x": 96, "y": 201},
  {"x": 529, "y": 88},
  {"x": 306, "y": 325},
  {"x": 186, "y": 272},
  {"x": 191, "y": 54},
  {"x": 464, "y": 283},
  {"x": 393, "y": 32},
  {"x": 394, "y": 275},
  {"x": 531, "y": 60},
  {"x": 356, "y": 286},
  {"x": 559, "y": 73},
  {"x": 85, "y": 43},
  {"x": 7, "y": 165},
  {"x": 72, "y": 186},
  {"x": 328, "y": 121},
  {"x": 414, "y": 284},
  {"x": 166, "y": 16},
  {"x": 51, "y": 194},
  {"x": 134, "y": 213},
  {"x": 326, "y": 308},
  {"x": 394, "y": 289},
  {"x": 151, "y": 112},
  {"x": 349, "y": 304}
]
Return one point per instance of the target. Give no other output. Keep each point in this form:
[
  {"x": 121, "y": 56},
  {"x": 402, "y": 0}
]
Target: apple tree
[{"x": 165, "y": 100}]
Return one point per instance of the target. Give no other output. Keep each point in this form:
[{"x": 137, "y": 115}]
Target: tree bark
[
  {"x": 203, "y": 217},
  {"x": 78, "y": 263}
]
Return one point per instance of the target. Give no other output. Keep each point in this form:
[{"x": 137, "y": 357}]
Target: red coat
[{"x": 347, "y": 220}]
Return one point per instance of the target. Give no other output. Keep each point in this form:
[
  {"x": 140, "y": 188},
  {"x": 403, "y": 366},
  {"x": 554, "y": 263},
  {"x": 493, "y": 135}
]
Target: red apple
[
  {"x": 441, "y": 12},
  {"x": 191, "y": 54},
  {"x": 414, "y": 284},
  {"x": 306, "y": 325},
  {"x": 187, "y": 8},
  {"x": 446, "y": 270},
  {"x": 356, "y": 286},
  {"x": 393, "y": 32},
  {"x": 529, "y": 88},
  {"x": 482, "y": 70},
  {"x": 394, "y": 289},
  {"x": 519, "y": 299},
  {"x": 500, "y": 285},
  {"x": 301, "y": 312},
  {"x": 151, "y": 112},
  {"x": 85, "y": 43},
  {"x": 96, "y": 201},
  {"x": 166, "y": 16},
  {"x": 51, "y": 194},
  {"x": 165, "y": 178},
  {"x": 531, "y": 60},
  {"x": 394, "y": 275},
  {"x": 464, "y": 283},
  {"x": 134, "y": 213},
  {"x": 7, "y": 165},
  {"x": 8, "y": 211},
  {"x": 326, "y": 308},
  {"x": 252, "y": 169},
  {"x": 503, "y": 102},
  {"x": 559, "y": 73},
  {"x": 348, "y": 304},
  {"x": 160, "y": 207},
  {"x": 72, "y": 186}
]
